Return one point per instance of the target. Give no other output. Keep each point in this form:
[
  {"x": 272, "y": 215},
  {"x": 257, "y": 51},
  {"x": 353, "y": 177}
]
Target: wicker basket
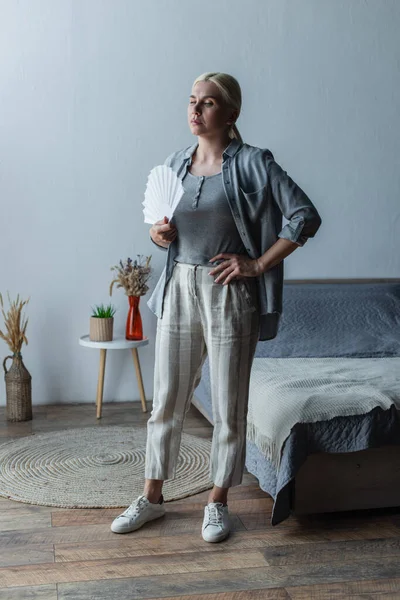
[
  {"x": 18, "y": 390},
  {"x": 101, "y": 329}
]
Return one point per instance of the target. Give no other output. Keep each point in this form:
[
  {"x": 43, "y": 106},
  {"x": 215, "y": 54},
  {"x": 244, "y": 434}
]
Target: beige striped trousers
[{"x": 200, "y": 318}]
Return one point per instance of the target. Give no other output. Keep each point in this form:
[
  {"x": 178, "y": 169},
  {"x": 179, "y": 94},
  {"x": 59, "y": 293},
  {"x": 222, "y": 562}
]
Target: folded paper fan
[{"x": 163, "y": 191}]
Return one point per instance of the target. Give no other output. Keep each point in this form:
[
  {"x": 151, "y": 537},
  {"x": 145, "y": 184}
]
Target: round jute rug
[{"x": 94, "y": 467}]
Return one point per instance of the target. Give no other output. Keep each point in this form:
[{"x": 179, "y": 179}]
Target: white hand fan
[{"x": 164, "y": 189}]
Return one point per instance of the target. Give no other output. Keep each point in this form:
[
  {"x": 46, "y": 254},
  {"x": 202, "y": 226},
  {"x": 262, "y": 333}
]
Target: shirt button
[{"x": 227, "y": 181}]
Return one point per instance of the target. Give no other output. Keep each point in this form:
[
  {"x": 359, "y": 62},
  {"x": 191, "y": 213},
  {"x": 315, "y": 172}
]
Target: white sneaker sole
[
  {"x": 218, "y": 538},
  {"x": 118, "y": 529}
]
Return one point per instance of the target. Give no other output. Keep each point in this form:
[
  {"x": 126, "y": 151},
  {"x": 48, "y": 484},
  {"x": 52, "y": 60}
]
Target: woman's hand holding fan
[{"x": 163, "y": 232}]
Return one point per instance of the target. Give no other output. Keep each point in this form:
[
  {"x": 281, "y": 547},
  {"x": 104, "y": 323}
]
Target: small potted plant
[
  {"x": 132, "y": 276},
  {"x": 102, "y": 323}
]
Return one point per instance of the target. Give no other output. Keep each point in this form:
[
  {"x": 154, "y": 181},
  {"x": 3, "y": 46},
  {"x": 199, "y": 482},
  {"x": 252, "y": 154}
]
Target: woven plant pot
[
  {"x": 101, "y": 329},
  {"x": 18, "y": 390}
]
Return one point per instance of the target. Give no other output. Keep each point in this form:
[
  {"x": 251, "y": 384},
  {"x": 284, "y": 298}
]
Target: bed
[{"x": 323, "y": 425}]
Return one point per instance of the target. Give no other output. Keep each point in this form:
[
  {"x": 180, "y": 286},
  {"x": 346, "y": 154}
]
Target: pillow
[{"x": 337, "y": 319}]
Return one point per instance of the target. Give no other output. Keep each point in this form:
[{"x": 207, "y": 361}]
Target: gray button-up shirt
[{"x": 258, "y": 192}]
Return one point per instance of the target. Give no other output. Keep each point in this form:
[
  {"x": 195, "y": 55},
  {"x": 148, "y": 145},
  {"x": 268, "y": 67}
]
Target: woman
[{"x": 219, "y": 294}]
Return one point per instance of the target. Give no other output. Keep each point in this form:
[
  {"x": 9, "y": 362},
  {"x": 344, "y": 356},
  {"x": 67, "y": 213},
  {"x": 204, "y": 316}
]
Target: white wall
[{"x": 93, "y": 94}]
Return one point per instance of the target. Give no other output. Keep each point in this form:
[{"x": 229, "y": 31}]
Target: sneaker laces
[
  {"x": 215, "y": 513},
  {"x": 135, "y": 508}
]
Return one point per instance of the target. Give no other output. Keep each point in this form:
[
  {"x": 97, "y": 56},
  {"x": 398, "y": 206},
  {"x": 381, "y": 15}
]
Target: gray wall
[{"x": 94, "y": 93}]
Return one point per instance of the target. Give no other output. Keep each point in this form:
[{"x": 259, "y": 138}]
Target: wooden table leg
[
  {"x": 139, "y": 378},
  {"x": 100, "y": 382}
]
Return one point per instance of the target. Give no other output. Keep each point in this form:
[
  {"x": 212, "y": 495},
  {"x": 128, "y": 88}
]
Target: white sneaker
[
  {"x": 137, "y": 514},
  {"x": 216, "y": 525}
]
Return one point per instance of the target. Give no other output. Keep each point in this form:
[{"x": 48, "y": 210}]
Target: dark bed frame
[{"x": 328, "y": 482}]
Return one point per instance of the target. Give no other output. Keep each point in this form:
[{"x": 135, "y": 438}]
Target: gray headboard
[{"x": 337, "y": 317}]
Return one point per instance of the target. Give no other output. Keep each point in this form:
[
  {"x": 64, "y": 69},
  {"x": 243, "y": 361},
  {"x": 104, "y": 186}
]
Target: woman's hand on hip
[{"x": 235, "y": 266}]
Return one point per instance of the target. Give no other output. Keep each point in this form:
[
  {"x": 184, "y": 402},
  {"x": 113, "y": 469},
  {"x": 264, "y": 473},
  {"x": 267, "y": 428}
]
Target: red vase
[{"x": 134, "y": 328}]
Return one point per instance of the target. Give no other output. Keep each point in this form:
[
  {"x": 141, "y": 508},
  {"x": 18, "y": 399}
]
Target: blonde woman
[{"x": 219, "y": 294}]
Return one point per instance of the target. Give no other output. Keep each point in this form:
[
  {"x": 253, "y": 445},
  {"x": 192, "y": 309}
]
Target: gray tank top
[{"x": 204, "y": 221}]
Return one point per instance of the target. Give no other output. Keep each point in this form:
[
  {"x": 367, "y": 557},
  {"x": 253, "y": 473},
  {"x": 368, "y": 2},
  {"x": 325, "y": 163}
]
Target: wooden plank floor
[{"x": 51, "y": 553}]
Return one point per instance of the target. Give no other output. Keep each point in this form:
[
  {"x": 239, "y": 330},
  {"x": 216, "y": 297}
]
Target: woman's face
[{"x": 207, "y": 107}]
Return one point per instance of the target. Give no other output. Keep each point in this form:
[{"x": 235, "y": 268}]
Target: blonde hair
[{"x": 231, "y": 93}]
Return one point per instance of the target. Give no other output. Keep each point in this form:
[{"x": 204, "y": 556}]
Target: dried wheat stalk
[{"x": 15, "y": 336}]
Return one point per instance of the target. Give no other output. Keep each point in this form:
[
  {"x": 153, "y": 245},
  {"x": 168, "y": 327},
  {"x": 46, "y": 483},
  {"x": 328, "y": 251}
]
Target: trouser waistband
[{"x": 196, "y": 266}]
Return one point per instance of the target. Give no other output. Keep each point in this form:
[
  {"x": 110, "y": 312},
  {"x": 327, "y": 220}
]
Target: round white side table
[{"x": 118, "y": 343}]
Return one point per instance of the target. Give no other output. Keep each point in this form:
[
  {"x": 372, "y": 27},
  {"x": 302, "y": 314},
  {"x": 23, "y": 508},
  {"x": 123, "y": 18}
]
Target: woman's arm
[
  {"x": 159, "y": 245},
  {"x": 275, "y": 254},
  {"x": 294, "y": 204}
]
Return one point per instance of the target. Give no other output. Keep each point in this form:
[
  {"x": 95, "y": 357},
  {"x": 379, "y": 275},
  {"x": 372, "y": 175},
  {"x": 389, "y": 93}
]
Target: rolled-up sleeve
[{"x": 295, "y": 205}]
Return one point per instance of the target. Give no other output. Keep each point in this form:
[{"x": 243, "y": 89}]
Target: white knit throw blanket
[{"x": 286, "y": 391}]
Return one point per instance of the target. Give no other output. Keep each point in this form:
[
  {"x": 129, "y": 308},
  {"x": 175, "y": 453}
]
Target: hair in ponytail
[{"x": 231, "y": 93}]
